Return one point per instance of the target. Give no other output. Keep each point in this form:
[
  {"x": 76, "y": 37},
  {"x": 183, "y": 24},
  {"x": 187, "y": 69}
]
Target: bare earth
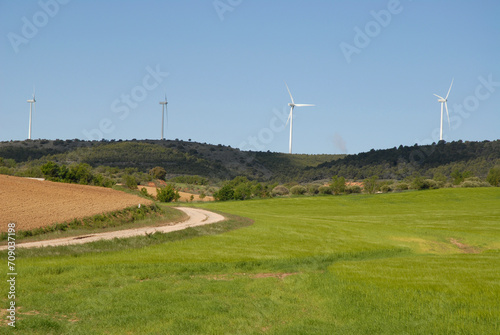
[
  {"x": 197, "y": 217},
  {"x": 184, "y": 195},
  {"x": 33, "y": 203}
]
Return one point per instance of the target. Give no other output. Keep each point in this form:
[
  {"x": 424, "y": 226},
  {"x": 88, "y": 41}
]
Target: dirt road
[{"x": 197, "y": 217}]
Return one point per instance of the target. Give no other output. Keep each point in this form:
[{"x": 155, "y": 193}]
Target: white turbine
[
  {"x": 290, "y": 116},
  {"x": 32, "y": 105},
  {"x": 163, "y": 112},
  {"x": 443, "y": 101}
]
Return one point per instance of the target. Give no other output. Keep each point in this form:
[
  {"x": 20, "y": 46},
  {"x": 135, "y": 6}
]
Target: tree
[
  {"x": 494, "y": 176},
  {"x": 459, "y": 176},
  {"x": 167, "y": 194},
  {"x": 158, "y": 172},
  {"x": 371, "y": 184},
  {"x": 242, "y": 191},
  {"x": 82, "y": 173},
  {"x": 130, "y": 181},
  {"x": 225, "y": 193},
  {"x": 50, "y": 170},
  {"x": 338, "y": 185}
]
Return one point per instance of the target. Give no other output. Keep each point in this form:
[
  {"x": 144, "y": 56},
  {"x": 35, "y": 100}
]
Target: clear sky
[{"x": 100, "y": 69}]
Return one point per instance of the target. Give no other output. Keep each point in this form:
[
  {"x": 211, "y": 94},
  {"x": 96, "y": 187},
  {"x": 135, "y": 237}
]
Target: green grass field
[{"x": 424, "y": 262}]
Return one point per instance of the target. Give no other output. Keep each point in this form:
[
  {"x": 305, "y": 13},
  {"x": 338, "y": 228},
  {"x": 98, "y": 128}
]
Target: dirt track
[
  {"x": 197, "y": 217},
  {"x": 33, "y": 203}
]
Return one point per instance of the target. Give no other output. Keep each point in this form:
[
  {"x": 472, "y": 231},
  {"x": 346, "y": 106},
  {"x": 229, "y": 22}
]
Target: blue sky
[{"x": 371, "y": 67}]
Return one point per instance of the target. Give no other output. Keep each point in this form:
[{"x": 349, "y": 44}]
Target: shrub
[
  {"x": 225, "y": 193},
  {"x": 417, "y": 183},
  {"x": 195, "y": 180},
  {"x": 313, "y": 189},
  {"x": 338, "y": 185},
  {"x": 167, "y": 194},
  {"x": 5, "y": 170},
  {"x": 325, "y": 190},
  {"x": 202, "y": 195},
  {"x": 401, "y": 186},
  {"x": 298, "y": 190},
  {"x": 424, "y": 184},
  {"x": 242, "y": 192},
  {"x": 259, "y": 191},
  {"x": 280, "y": 190},
  {"x": 50, "y": 170},
  {"x": 474, "y": 182},
  {"x": 129, "y": 181},
  {"x": 158, "y": 172},
  {"x": 458, "y": 176},
  {"x": 352, "y": 189},
  {"x": 494, "y": 176},
  {"x": 386, "y": 188},
  {"x": 371, "y": 184},
  {"x": 145, "y": 193}
]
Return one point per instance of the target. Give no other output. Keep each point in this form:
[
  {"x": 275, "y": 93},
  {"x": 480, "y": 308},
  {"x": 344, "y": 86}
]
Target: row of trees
[
  {"x": 241, "y": 188},
  {"x": 77, "y": 173}
]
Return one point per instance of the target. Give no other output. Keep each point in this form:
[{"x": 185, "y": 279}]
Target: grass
[{"x": 360, "y": 264}]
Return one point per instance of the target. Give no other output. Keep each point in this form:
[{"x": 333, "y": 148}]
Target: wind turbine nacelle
[{"x": 291, "y": 105}]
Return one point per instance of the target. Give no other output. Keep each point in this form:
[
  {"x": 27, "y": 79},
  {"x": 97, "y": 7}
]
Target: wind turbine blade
[
  {"x": 449, "y": 88},
  {"x": 289, "y": 93},
  {"x": 304, "y": 105},
  {"x": 440, "y": 97},
  {"x": 289, "y": 116},
  {"x": 447, "y": 114}
]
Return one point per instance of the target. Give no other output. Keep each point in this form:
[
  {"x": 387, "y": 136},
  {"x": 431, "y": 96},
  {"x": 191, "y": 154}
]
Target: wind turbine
[
  {"x": 443, "y": 101},
  {"x": 32, "y": 105},
  {"x": 290, "y": 117},
  {"x": 163, "y": 112}
]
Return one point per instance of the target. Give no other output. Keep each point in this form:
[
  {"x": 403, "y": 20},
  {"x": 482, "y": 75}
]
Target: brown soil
[
  {"x": 33, "y": 203},
  {"x": 184, "y": 195},
  {"x": 466, "y": 249}
]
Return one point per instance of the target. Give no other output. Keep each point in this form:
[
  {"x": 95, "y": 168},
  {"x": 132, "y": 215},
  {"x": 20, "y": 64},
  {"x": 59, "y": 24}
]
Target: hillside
[
  {"x": 428, "y": 160},
  {"x": 177, "y": 157},
  {"x": 219, "y": 162}
]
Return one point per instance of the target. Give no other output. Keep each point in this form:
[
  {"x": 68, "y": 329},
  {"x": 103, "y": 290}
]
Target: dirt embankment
[
  {"x": 33, "y": 203},
  {"x": 185, "y": 196}
]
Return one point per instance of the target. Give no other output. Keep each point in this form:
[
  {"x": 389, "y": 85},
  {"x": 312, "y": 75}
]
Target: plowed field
[{"x": 34, "y": 203}]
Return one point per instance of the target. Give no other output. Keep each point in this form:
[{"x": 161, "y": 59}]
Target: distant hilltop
[{"x": 219, "y": 162}]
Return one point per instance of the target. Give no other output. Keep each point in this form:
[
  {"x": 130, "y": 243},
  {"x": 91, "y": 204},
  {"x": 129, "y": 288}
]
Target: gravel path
[{"x": 197, "y": 217}]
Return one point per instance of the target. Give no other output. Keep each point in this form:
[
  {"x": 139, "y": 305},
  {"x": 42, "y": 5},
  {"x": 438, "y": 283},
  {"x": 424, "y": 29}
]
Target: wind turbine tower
[
  {"x": 163, "y": 112},
  {"x": 32, "y": 107},
  {"x": 290, "y": 116},
  {"x": 443, "y": 101}
]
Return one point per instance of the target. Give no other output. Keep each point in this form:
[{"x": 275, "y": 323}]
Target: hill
[
  {"x": 219, "y": 162},
  {"x": 177, "y": 157},
  {"x": 476, "y": 158}
]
